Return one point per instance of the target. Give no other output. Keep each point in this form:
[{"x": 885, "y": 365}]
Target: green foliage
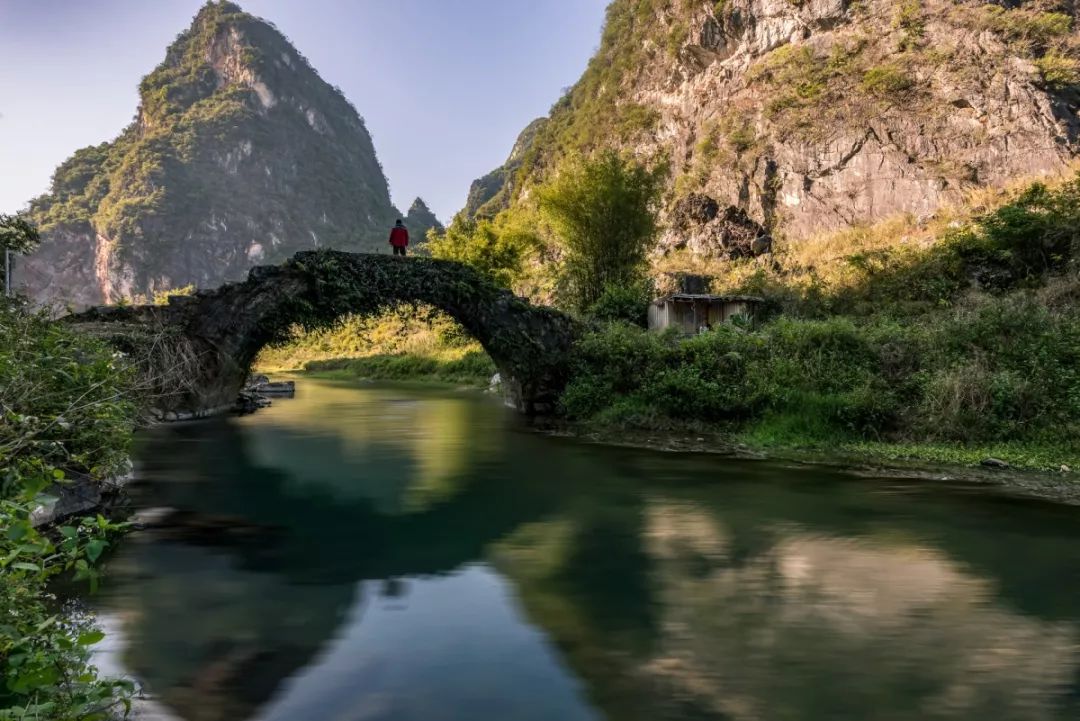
[
  {"x": 1030, "y": 28},
  {"x": 909, "y": 20},
  {"x": 805, "y": 84},
  {"x": 964, "y": 376},
  {"x": 405, "y": 343},
  {"x": 65, "y": 415},
  {"x": 886, "y": 81},
  {"x": 45, "y": 668},
  {"x": 498, "y": 247},
  {"x": 64, "y": 398},
  {"x": 865, "y": 271},
  {"x": 162, "y": 296},
  {"x": 677, "y": 37},
  {"x": 626, "y": 303},
  {"x": 17, "y": 234},
  {"x": 1058, "y": 70},
  {"x": 972, "y": 342},
  {"x": 635, "y": 119},
  {"x": 603, "y": 212},
  {"x": 473, "y": 368}
]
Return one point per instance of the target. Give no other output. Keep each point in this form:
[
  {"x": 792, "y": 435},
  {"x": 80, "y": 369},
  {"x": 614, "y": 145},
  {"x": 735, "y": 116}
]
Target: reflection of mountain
[
  {"x": 674, "y": 587},
  {"x": 798, "y": 616},
  {"x": 838, "y": 627}
]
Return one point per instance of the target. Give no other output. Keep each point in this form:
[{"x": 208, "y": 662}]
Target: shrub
[
  {"x": 1058, "y": 71},
  {"x": 635, "y": 118},
  {"x": 627, "y": 303},
  {"x": 886, "y": 81},
  {"x": 908, "y": 19},
  {"x": 498, "y": 248},
  {"x": 17, "y": 234},
  {"x": 65, "y": 412},
  {"x": 1004, "y": 369},
  {"x": 65, "y": 399}
]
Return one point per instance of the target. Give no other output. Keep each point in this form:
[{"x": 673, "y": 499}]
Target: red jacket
[{"x": 399, "y": 237}]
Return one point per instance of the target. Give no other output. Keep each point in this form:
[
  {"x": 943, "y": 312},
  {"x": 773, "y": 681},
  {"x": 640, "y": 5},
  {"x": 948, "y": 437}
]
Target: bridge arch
[{"x": 217, "y": 333}]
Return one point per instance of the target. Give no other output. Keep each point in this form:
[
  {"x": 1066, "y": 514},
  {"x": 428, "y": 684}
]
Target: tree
[
  {"x": 17, "y": 234},
  {"x": 603, "y": 211},
  {"x": 496, "y": 247}
]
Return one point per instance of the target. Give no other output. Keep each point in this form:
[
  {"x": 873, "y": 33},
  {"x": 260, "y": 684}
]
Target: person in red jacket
[{"x": 399, "y": 238}]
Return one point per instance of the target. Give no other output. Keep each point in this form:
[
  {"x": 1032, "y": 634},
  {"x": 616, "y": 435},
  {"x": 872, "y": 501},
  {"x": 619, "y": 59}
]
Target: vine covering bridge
[{"x": 198, "y": 349}]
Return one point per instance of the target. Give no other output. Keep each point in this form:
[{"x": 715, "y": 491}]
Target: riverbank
[
  {"x": 926, "y": 462},
  {"x": 67, "y": 413},
  {"x": 1044, "y": 471}
]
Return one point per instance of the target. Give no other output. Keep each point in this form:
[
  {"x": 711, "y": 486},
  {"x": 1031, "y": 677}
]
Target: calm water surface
[{"x": 379, "y": 553}]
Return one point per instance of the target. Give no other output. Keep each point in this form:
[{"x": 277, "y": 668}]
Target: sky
[{"x": 444, "y": 86}]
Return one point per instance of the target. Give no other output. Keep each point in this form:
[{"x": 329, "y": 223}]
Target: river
[{"x": 369, "y": 552}]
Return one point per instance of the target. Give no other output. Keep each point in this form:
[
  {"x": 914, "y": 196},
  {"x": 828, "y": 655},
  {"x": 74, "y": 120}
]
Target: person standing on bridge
[{"x": 399, "y": 237}]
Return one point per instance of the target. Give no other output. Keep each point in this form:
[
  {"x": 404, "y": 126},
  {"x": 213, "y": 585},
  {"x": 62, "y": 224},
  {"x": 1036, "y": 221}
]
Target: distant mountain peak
[
  {"x": 420, "y": 219},
  {"x": 240, "y": 154}
]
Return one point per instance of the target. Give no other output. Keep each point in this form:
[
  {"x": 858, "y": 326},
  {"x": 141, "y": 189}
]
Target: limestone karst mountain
[
  {"x": 239, "y": 154},
  {"x": 818, "y": 114},
  {"x": 419, "y": 220}
]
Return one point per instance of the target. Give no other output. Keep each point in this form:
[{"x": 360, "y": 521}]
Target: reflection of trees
[{"x": 766, "y": 602}]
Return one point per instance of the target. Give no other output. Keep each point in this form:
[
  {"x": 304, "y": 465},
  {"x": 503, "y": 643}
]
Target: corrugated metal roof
[{"x": 709, "y": 298}]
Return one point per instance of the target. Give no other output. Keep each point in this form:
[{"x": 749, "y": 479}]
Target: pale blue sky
[{"x": 444, "y": 85}]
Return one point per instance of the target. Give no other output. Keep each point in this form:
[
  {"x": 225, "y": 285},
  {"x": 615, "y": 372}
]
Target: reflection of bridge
[
  {"x": 610, "y": 569},
  {"x": 224, "y": 329}
]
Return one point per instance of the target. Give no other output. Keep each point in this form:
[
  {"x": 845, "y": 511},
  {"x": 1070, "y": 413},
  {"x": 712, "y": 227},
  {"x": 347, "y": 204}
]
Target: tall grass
[{"x": 407, "y": 343}]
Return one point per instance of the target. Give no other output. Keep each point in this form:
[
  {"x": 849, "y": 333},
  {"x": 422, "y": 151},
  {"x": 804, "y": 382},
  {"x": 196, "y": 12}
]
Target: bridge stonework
[{"x": 198, "y": 349}]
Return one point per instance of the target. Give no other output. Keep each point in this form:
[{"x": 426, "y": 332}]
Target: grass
[
  {"x": 473, "y": 368},
  {"x": 416, "y": 344}
]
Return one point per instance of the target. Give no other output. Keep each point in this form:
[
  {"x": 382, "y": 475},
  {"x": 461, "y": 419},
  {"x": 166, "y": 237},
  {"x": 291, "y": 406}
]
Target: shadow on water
[{"x": 373, "y": 553}]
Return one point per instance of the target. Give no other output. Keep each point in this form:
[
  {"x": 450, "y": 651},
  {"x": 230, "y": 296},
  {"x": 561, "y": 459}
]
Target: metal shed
[{"x": 693, "y": 312}]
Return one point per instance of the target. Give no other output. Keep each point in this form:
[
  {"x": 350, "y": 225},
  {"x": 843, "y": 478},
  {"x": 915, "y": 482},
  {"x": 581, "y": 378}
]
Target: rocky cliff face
[
  {"x": 819, "y": 114},
  {"x": 240, "y": 154},
  {"x": 492, "y": 193}
]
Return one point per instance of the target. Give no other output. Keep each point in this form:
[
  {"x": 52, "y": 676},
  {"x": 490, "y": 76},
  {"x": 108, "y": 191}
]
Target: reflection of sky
[
  {"x": 389, "y": 448},
  {"x": 398, "y": 658}
]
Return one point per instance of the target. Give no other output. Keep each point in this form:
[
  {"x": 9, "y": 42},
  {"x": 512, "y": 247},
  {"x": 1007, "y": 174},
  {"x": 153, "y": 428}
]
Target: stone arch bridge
[{"x": 196, "y": 351}]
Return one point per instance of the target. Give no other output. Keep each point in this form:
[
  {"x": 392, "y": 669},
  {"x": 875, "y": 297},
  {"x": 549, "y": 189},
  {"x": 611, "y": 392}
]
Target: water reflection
[{"x": 382, "y": 554}]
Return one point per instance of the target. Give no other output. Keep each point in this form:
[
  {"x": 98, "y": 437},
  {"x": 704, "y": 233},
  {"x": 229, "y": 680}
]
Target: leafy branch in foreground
[{"x": 17, "y": 234}]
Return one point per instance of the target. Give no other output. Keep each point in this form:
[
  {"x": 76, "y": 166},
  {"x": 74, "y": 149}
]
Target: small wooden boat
[{"x": 275, "y": 388}]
